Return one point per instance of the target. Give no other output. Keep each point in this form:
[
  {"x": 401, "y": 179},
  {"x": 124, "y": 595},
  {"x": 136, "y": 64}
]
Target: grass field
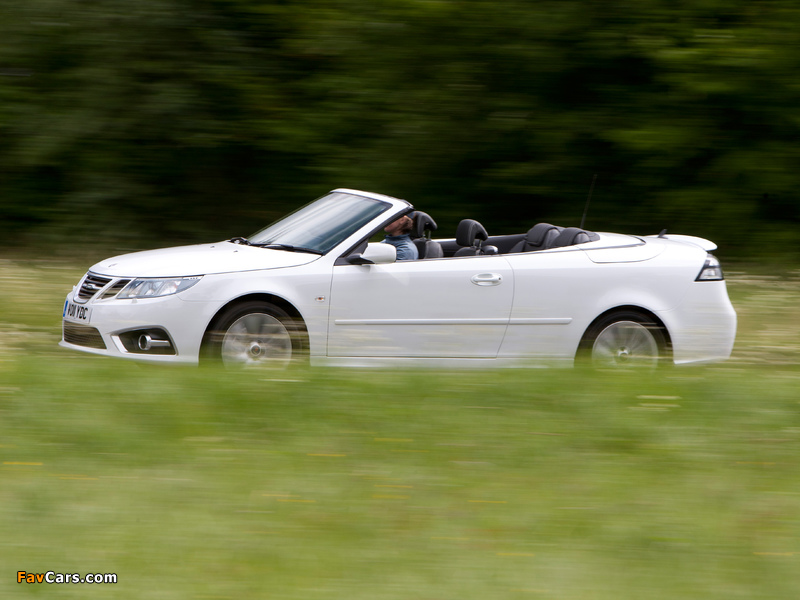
[{"x": 342, "y": 484}]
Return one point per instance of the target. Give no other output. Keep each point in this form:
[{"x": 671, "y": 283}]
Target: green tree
[{"x": 181, "y": 118}]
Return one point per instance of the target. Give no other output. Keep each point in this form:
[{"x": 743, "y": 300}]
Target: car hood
[{"x": 201, "y": 259}]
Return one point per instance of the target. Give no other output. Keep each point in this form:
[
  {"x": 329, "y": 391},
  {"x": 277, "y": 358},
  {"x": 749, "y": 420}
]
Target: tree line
[{"x": 191, "y": 120}]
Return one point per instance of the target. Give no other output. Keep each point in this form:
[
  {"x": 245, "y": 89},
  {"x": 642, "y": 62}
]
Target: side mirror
[{"x": 375, "y": 254}]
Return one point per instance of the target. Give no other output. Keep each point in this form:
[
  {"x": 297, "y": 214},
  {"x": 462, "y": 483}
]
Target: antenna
[{"x": 589, "y": 199}]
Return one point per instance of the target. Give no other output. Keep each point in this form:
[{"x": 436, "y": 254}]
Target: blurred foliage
[{"x": 170, "y": 118}]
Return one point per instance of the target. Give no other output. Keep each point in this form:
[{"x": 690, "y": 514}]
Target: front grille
[
  {"x": 91, "y": 285},
  {"x": 82, "y": 335}
]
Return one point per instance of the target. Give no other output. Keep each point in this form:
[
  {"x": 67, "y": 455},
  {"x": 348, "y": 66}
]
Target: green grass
[{"x": 343, "y": 484}]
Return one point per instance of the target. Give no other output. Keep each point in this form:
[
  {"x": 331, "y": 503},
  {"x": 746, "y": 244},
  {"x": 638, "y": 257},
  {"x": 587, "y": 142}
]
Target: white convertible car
[{"x": 313, "y": 286}]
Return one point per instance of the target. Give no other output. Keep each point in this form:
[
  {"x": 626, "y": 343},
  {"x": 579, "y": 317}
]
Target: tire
[
  {"x": 255, "y": 334},
  {"x": 624, "y": 339}
]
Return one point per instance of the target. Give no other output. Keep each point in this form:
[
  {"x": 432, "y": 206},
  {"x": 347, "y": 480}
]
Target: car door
[
  {"x": 448, "y": 307},
  {"x": 555, "y": 295}
]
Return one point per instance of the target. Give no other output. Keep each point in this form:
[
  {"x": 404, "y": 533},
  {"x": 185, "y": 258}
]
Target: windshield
[{"x": 321, "y": 225}]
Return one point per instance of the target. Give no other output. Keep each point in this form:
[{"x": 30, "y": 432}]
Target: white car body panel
[
  {"x": 428, "y": 308},
  {"x": 703, "y": 243},
  {"x": 616, "y": 248},
  {"x": 525, "y": 308}
]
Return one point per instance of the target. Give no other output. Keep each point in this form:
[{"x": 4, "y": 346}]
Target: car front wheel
[
  {"x": 255, "y": 334},
  {"x": 624, "y": 339}
]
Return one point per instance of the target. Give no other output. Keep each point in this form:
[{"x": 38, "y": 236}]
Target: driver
[{"x": 397, "y": 234}]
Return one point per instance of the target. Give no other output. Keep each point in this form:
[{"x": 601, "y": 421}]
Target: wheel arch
[
  {"x": 278, "y": 301},
  {"x": 623, "y": 309}
]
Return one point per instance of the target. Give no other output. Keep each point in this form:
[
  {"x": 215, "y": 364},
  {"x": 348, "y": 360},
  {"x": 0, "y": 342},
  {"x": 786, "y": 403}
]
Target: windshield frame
[{"x": 321, "y": 225}]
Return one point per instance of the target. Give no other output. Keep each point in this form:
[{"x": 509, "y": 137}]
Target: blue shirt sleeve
[{"x": 406, "y": 249}]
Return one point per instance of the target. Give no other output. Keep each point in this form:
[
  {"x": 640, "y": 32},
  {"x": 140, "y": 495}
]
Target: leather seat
[
  {"x": 470, "y": 235},
  {"x": 571, "y": 236},
  {"x": 539, "y": 237},
  {"x": 421, "y": 235}
]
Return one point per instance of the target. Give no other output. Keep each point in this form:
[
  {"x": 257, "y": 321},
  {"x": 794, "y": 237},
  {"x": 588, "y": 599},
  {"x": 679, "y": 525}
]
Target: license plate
[{"x": 76, "y": 312}]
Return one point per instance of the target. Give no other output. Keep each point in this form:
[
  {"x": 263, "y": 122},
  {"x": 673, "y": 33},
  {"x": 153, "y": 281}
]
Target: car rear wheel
[
  {"x": 624, "y": 340},
  {"x": 255, "y": 335}
]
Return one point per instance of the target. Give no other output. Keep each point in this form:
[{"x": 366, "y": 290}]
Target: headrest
[
  {"x": 571, "y": 236},
  {"x": 468, "y": 231},
  {"x": 422, "y": 223},
  {"x": 537, "y": 234}
]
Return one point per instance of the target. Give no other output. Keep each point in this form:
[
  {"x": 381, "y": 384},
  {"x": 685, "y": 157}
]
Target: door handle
[{"x": 487, "y": 279}]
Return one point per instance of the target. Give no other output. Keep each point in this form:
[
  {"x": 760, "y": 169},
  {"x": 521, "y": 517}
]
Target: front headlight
[
  {"x": 154, "y": 288},
  {"x": 711, "y": 271}
]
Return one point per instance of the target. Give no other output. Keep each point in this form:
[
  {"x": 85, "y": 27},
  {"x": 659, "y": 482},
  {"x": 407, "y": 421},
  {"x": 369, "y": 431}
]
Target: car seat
[
  {"x": 571, "y": 236},
  {"x": 539, "y": 237},
  {"x": 421, "y": 234},
  {"x": 470, "y": 235}
]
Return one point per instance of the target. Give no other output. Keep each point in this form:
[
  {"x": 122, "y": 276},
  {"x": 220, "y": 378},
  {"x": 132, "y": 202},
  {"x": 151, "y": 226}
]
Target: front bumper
[{"x": 165, "y": 329}]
